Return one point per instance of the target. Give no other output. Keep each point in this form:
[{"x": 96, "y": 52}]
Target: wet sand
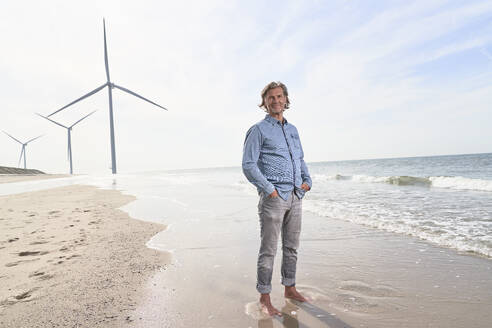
[
  {"x": 369, "y": 279},
  {"x": 71, "y": 258},
  {"x": 356, "y": 276}
]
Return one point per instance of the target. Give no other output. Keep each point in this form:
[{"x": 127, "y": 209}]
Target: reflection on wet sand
[
  {"x": 323, "y": 316},
  {"x": 291, "y": 311}
]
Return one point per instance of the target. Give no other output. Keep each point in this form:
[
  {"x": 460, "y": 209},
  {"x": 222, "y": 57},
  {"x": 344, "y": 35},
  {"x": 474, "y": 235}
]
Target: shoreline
[
  {"x": 356, "y": 274},
  {"x": 71, "y": 257},
  {"x": 9, "y": 178}
]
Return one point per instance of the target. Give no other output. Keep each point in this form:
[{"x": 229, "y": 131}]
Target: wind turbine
[
  {"x": 23, "y": 151},
  {"x": 110, "y": 86},
  {"x": 69, "y": 130}
]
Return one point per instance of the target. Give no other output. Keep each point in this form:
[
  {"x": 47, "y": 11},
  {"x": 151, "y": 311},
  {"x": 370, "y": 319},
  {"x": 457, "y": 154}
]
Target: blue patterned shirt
[{"x": 273, "y": 158}]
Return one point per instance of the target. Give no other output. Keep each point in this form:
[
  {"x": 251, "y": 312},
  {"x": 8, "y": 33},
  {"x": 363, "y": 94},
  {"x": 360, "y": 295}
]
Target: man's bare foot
[
  {"x": 292, "y": 293},
  {"x": 266, "y": 304}
]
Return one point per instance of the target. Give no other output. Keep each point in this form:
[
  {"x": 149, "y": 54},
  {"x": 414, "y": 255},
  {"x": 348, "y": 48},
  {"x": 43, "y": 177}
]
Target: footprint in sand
[
  {"x": 39, "y": 242},
  {"x": 41, "y": 275},
  {"x": 11, "y": 264},
  {"x": 23, "y": 295},
  {"x": 46, "y": 277},
  {"x": 31, "y": 253},
  {"x": 26, "y": 296}
]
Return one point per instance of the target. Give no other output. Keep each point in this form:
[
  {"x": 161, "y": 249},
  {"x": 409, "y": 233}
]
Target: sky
[{"x": 366, "y": 79}]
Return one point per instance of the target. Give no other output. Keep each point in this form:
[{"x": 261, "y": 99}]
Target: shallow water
[{"x": 360, "y": 276}]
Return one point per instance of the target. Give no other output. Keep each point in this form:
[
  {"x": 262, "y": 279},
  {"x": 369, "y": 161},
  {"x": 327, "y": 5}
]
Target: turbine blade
[
  {"x": 49, "y": 119},
  {"x": 83, "y": 97},
  {"x": 13, "y": 137},
  {"x": 137, "y": 95},
  {"x": 84, "y": 118},
  {"x": 105, "y": 51},
  {"x": 34, "y": 138},
  {"x": 22, "y": 152}
]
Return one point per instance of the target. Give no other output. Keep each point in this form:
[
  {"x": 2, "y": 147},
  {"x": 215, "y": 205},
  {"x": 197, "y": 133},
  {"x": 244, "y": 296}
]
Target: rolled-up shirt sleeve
[{"x": 251, "y": 154}]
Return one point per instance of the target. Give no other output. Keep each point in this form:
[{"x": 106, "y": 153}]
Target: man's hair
[{"x": 270, "y": 86}]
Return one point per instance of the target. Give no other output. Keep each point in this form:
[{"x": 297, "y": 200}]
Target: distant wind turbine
[
  {"x": 110, "y": 86},
  {"x": 69, "y": 130},
  {"x": 23, "y": 151}
]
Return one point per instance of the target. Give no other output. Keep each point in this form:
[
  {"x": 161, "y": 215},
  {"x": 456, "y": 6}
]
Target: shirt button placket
[{"x": 291, "y": 158}]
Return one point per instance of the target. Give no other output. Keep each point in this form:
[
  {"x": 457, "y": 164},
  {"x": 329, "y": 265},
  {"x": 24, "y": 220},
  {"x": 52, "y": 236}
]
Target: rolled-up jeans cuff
[
  {"x": 288, "y": 282},
  {"x": 264, "y": 289}
]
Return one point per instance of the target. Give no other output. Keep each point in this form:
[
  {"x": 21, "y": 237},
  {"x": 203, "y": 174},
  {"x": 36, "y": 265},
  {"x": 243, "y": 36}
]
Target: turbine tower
[
  {"x": 23, "y": 151},
  {"x": 110, "y": 86},
  {"x": 69, "y": 130}
]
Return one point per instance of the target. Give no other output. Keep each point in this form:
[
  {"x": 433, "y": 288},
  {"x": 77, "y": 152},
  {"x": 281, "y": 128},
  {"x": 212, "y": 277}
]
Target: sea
[{"x": 444, "y": 200}]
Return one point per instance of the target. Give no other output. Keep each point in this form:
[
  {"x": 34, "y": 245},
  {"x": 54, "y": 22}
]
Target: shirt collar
[{"x": 274, "y": 120}]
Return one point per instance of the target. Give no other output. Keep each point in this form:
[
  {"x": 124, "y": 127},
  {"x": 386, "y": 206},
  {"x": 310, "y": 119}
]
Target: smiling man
[{"x": 273, "y": 161}]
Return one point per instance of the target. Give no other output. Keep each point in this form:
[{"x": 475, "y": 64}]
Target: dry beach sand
[{"x": 71, "y": 258}]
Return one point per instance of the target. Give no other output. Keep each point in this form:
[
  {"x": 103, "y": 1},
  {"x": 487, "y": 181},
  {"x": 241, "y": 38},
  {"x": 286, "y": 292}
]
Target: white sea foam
[
  {"x": 323, "y": 177},
  {"x": 458, "y": 183},
  {"x": 463, "y": 236},
  {"x": 461, "y": 183},
  {"x": 254, "y": 310}
]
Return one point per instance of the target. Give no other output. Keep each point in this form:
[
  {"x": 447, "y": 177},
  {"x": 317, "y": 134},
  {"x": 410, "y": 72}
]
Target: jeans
[{"x": 278, "y": 216}]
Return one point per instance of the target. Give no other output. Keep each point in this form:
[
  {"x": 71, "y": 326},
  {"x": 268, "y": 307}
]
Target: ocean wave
[
  {"x": 455, "y": 235},
  {"x": 461, "y": 183},
  {"x": 458, "y": 183}
]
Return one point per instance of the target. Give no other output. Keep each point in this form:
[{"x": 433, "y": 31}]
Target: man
[{"x": 273, "y": 160}]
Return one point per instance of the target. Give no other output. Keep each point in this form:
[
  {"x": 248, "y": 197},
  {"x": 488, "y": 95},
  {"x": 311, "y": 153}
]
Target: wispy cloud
[{"x": 358, "y": 75}]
